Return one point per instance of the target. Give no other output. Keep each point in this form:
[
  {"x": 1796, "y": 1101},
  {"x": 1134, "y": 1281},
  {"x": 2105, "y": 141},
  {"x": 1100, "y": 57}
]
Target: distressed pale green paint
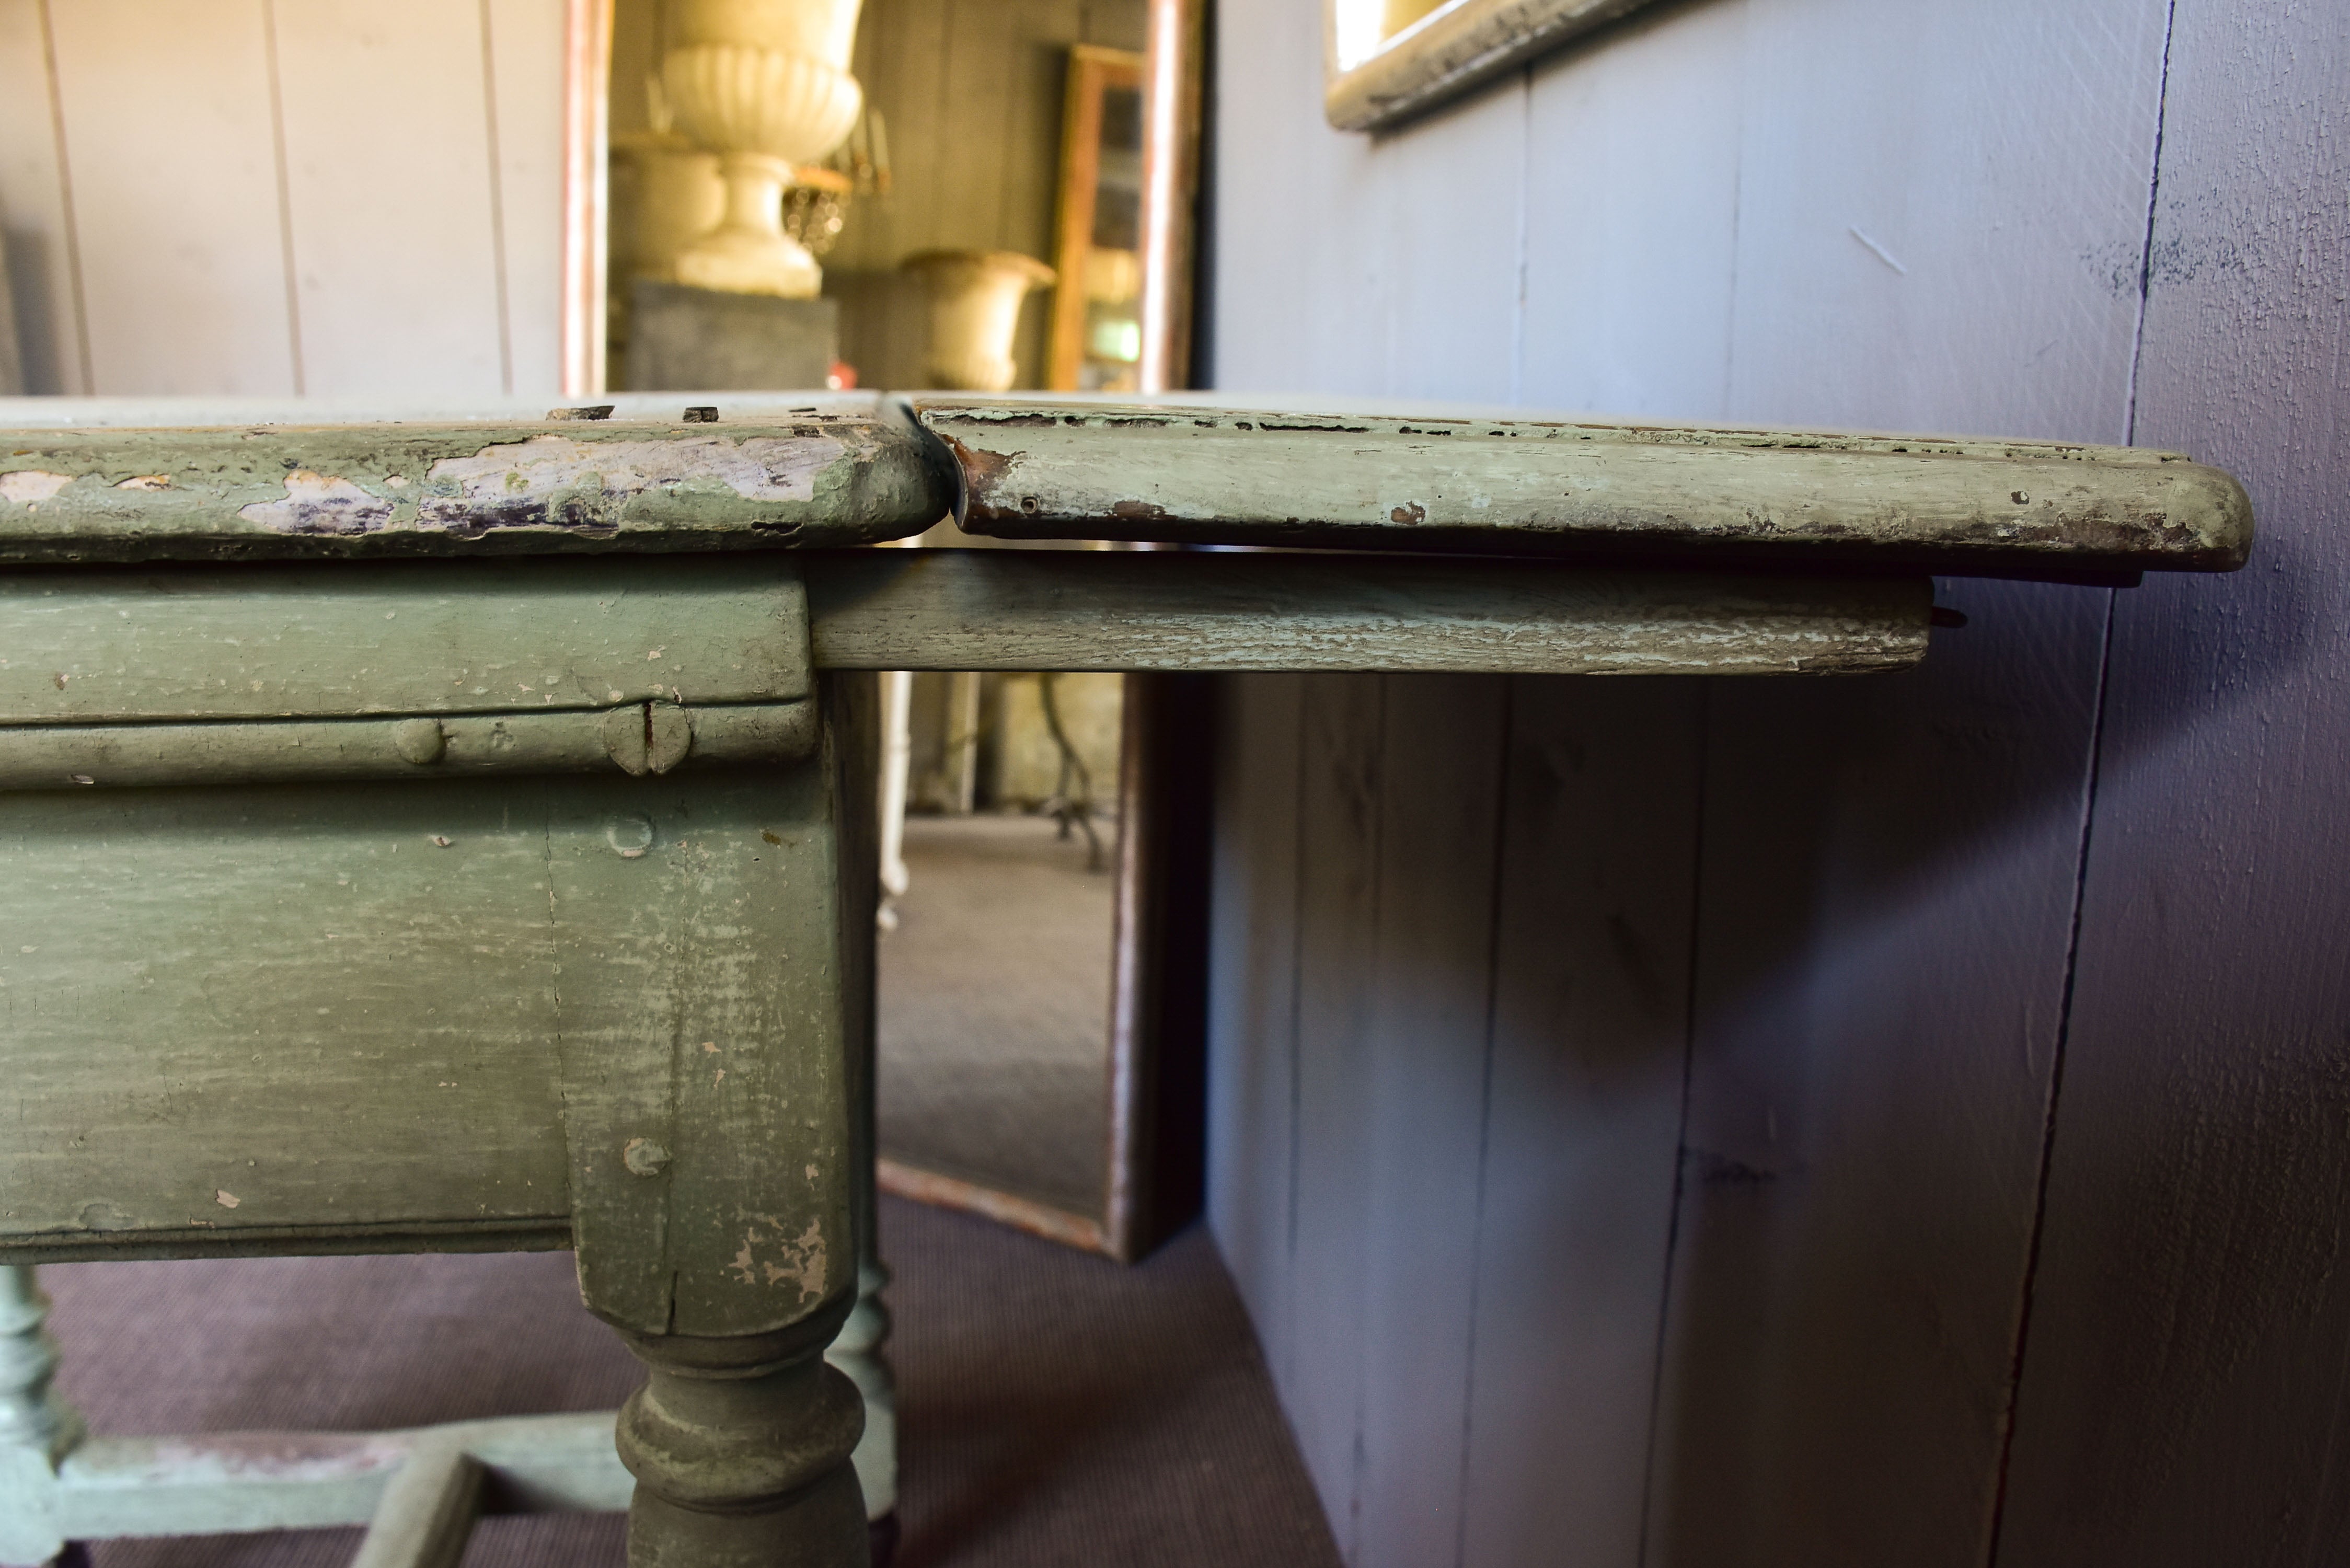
[
  {"x": 113, "y": 645},
  {"x": 699, "y": 1025},
  {"x": 1674, "y": 494},
  {"x": 427, "y": 1511},
  {"x": 116, "y": 756},
  {"x": 230, "y": 1484},
  {"x": 291, "y": 491},
  {"x": 1094, "y": 609}
]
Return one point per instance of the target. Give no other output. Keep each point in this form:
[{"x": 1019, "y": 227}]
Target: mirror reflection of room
[
  {"x": 996, "y": 957},
  {"x": 943, "y": 194},
  {"x": 948, "y": 194}
]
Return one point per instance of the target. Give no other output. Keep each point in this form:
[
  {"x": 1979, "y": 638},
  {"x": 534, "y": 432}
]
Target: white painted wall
[
  {"x": 329, "y": 197},
  {"x": 1744, "y": 1123}
]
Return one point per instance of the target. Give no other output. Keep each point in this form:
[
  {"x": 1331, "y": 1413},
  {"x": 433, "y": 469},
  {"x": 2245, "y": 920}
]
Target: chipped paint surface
[
  {"x": 820, "y": 479},
  {"x": 771, "y": 1256},
  {"x": 314, "y": 504},
  {"x": 1216, "y": 475},
  {"x": 558, "y": 479},
  {"x": 31, "y": 486}
]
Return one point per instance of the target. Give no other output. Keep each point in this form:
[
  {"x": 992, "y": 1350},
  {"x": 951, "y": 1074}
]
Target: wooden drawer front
[{"x": 108, "y": 645}]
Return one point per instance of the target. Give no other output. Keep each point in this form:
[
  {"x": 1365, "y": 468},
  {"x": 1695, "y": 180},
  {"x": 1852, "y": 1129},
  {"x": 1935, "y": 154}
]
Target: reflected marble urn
[
  {"x": 765, "y": 84},
  {"x": 974, "y": 311}
]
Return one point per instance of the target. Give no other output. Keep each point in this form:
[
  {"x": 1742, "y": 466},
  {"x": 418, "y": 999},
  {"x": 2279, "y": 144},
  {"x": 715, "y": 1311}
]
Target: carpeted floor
[
  {"x": 994, "y": 1009},
  {"x": 1055, "y": 1408}
]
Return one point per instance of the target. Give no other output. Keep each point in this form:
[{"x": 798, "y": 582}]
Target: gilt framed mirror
[
  {"x": 980, "y": 195},
  {"x": 1388, "y": 60}
]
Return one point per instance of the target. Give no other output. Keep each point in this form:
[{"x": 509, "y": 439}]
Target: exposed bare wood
[{"x": 829, "y": 476}]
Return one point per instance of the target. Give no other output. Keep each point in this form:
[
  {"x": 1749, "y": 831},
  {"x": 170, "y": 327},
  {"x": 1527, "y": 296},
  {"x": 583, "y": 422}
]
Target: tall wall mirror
[{"x": 980, "y": 195}]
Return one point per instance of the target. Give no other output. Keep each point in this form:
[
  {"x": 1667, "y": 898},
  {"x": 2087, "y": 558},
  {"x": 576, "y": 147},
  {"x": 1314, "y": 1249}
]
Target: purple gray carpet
[
  {"x": 994, "y": 1010},
  {"x": 1054, "y": 1408}
]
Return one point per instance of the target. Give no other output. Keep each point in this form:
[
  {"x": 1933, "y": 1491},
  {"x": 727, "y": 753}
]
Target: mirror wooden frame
[
  {"x": 1376, "y": 77},
  {"x": 1093, "y": 71},
  {"x": 586, "y": 153}
]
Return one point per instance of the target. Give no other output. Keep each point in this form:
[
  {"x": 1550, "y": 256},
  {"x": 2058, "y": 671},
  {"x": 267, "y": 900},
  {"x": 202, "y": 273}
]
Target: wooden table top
[
  {"x": 1626, "y": 493},
  {"x": 122, "y": 480}
]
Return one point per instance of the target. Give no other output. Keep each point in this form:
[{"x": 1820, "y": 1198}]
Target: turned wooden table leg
[
  {"x": 857, "y": 1352},
  {"x": 36, "y": 1429},
  {"x": 714, "y": 974},
  {"x": 741, "y": 1450},
  {"x": 861, "y": 725}
]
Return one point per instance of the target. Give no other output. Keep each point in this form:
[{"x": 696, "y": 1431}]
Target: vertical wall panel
[
  {"x": 902, "y": 62},
  {"x": 1632, "y": 217},
  {"x": 1253, "y": 995},
  {"x": 1829, "y": 212},
  {"x": 2187, "y": 1368},
  {"x": 1590, "y": 1012},
  {"x": 1451, "y": 192},
  {"x": 1322, "y": 1365},
  {"x": 972, "y": 92},
  {"x": 1930, "y": 201},
  {"x": 172, "y": 115},
  {"x": 166, "y": 104},
  {"x": 1301, "y": 261},
  {"x": 526, "y": 73},
  {"x": 32, "y": 217},
  {"x": 387, "y": 135},
  {"x": 1887, "y": 896},
  {"x": 1941, "y": 212},
  {"x": 1422, "y": 1057}
]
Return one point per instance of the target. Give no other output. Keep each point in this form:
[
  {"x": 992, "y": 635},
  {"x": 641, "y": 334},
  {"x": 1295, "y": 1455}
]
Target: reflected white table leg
[{"x": 36, "y": 1429}]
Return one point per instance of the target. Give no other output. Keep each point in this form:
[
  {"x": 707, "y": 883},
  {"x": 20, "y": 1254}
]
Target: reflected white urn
[
  {"x": 765, "y": 84},
  {"x": 675, "y": 198},
  {"x": 974, "y": 311}
]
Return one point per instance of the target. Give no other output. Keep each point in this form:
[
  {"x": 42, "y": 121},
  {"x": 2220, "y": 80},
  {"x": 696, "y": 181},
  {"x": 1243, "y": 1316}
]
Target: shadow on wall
[
  {"x": 1886, "y": 906},
  {"x": 1880, "y": 791}
]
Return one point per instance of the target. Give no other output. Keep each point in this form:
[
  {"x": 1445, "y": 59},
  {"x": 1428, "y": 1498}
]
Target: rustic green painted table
[{"x": 454, "y": 832}]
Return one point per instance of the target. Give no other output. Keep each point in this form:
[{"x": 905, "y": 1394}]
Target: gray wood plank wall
[
  {"x": 1898, "y": 1120},
  {"x": 236, "y": 196}
]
